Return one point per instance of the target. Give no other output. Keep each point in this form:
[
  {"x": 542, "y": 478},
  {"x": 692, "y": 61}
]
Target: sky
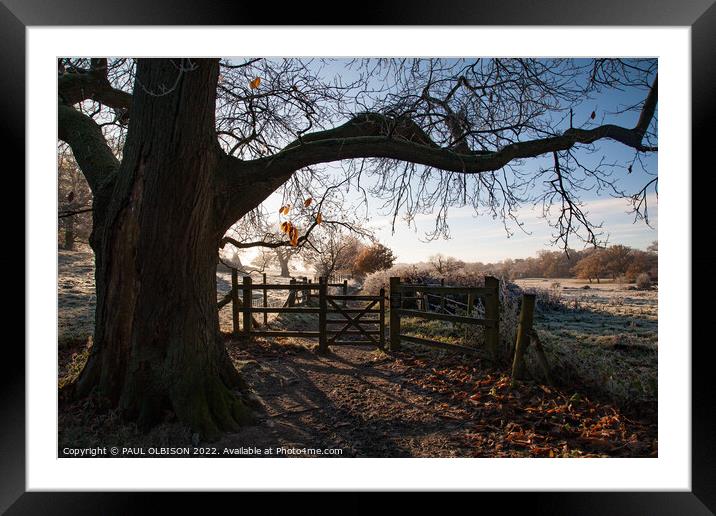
[{"x": 485, "y": 239}]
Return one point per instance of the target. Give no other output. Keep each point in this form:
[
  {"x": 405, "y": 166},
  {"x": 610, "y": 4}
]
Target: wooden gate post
[
  {"x": 323, "y": 305},
  {"x": 442, "y": 298},
  {"x": 247, "y": 305},
  {"x": 524, "y": 330},
  {"x": 381, "y": 321},
  {"x": 492, "y": 311},
  {"x": 345, "y": 290},
  {"x": 304, "y": 296},
  {"x": 235, "y": 300},
  {"x": 265, "y": 300},
  {"x": 310, "y": 291},
  {"x": 395, "y": 302},
  {"x": 292, "y": 294}
]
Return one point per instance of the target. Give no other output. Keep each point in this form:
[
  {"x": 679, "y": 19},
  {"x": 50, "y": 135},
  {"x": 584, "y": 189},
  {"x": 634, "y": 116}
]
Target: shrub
[
  {"x": 377, "y": 257},
  {"x": 643, "y": 280}
]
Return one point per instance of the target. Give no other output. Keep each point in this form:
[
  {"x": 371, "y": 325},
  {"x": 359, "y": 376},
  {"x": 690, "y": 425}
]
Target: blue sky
[{"x": 484, "y": 239}]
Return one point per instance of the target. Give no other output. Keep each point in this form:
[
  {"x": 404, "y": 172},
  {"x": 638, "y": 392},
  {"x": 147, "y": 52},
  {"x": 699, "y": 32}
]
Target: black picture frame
[{"x": 700, "y": 15}]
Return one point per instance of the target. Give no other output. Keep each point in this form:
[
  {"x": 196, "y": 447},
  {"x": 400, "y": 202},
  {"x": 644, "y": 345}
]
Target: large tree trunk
[{"x": 157, "y": 345}]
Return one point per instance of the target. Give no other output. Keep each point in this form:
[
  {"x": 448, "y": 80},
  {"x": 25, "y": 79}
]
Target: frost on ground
[
  {"x": 75, "y": 296},
  {"x": 418, "y": 402},
  {"x": 604, "y": 337}
]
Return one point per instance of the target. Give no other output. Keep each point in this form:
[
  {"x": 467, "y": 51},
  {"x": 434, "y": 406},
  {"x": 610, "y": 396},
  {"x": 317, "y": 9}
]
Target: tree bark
[{"x": 157, "y": 345}]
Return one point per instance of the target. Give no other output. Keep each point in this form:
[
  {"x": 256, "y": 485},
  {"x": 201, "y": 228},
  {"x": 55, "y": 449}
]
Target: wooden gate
[
  {"x": 418, "y": 294},
  {"x": 352, "y": 319},
  {"x": 367, "y": 322}
]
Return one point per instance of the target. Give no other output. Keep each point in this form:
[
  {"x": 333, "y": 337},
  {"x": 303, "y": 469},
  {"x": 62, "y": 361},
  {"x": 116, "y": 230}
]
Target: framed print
[{"x": 415, "y": 249}]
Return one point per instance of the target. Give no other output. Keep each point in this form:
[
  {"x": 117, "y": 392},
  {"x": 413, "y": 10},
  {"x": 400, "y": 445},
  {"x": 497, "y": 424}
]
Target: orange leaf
[
  {"x": 255, "y": 83},
  {"x": 285, "y": 226},
  {"x": 319, "y": 218},
  {"x": 307, "y": 202}
]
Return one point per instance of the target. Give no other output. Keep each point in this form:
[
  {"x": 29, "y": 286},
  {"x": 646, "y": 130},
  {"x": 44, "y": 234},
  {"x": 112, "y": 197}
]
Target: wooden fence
[
  {"x": 414, "y": 300},
  {"x": 406, "y": 300},
  {"x": 355, "y": 325},
  {"x": 352, "y": 318}
]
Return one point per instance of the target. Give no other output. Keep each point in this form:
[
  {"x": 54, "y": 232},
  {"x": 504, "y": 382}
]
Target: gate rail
[
  {"x": 419, "y": 295},
  {"x": 351, "y": 317}
]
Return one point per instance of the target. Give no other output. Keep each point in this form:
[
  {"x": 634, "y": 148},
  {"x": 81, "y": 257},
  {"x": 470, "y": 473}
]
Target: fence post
[
  {"x": 292, "y": 293},
  {"x": 382, "y": 318},
  {"x": 247, "y": 305},
  {"x": 541, "y": 357},
  {"x": 323, "y": 305},
  {"x": 305, "y": 291},
  {"x": 442, "y": 297},
  {"x": 235, "y": 300},
  {"x": 265, "y": 301},
  {"x": 310, "y": 291},
  {"x": 395, "y": 302},
  {"x": 470, "y": 303},
  {"x": 524, "y": 330},
  {"x": 492, "y": 311}
]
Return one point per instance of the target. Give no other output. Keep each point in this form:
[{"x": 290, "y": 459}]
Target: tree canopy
[{"x": 423, "y": 135}]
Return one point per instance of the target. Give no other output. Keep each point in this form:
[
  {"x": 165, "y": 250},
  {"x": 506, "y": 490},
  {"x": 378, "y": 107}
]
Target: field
[
  {"x": 604, "y": 336},
  {"x": 418, "y": 402},
  {"x": 76, "y": 295}
]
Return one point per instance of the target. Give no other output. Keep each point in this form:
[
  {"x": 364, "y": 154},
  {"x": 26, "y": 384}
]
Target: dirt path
[
  {"x": 373, "y": 404},
  {"x": 414, "y": 403},
  {"x": 354, "y": 399}
]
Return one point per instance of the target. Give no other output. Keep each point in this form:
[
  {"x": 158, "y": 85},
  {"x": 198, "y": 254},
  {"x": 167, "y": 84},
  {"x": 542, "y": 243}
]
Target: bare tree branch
[{"x": 88, "y": 145}]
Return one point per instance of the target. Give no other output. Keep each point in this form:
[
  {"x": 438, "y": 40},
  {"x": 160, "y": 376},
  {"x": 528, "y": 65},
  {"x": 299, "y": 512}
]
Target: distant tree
[
  {"x": 232, "y": 259},
  {"x": 333, "y": 250},
  {"x": 653, "y": 247},
  {"x": 74, "y": 201},
  {"x": 556, "y": 264},
  {"x": 283, "y": 257},
  {"x": 376, "y": 257},
  {"x": 445, "y": 264},
  {"x": 642, "y": 262},
  {"x": 617, "y": 260},
  {"x": 592, "y": 266}
]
